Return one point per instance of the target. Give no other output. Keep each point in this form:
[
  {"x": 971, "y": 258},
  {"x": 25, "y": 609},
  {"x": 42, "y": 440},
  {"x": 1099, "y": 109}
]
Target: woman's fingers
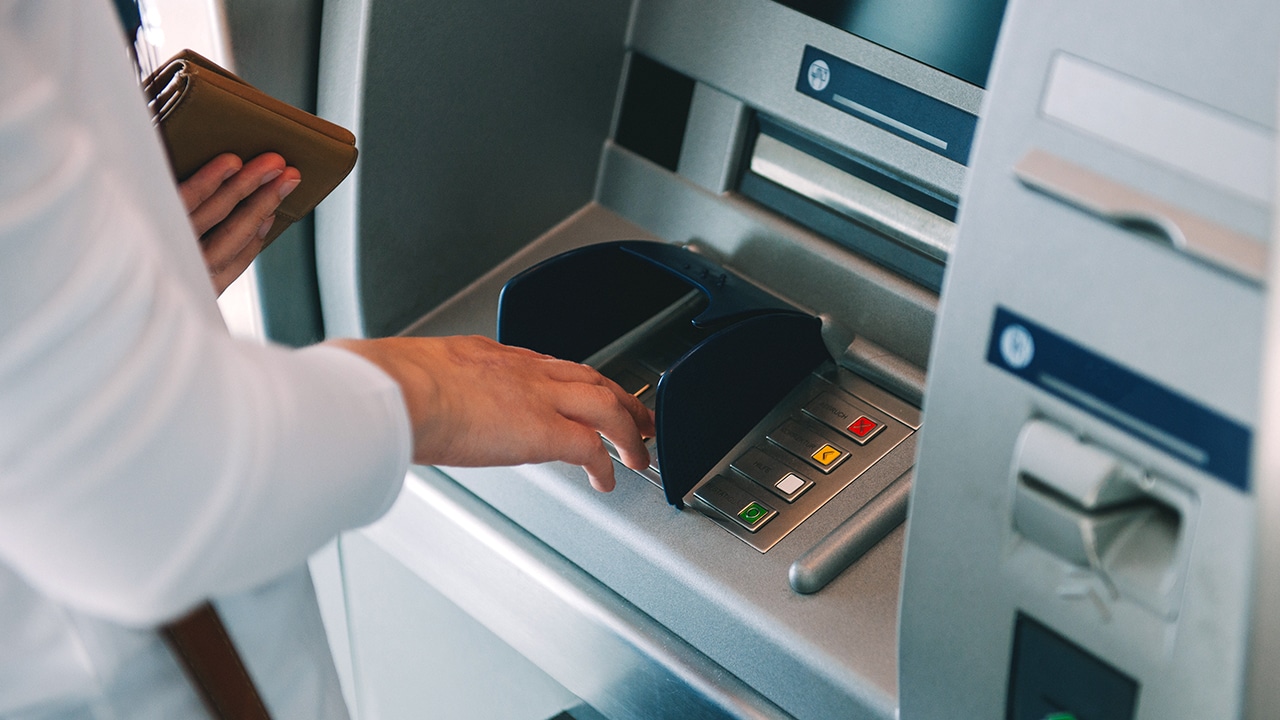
[
  {"x": 596, "y": 407},
  {"x": 198, "y": 188},
  {"x": 215, "y": 207},
  {"x": 224, "y": 271},
  {"x": 474, "y": 402},
  {"x": 566, "y": 371},
  {"x": 232, "y": 208},
  {"x": 579, "y": 445},
  {"x": 249, "y": 221}
]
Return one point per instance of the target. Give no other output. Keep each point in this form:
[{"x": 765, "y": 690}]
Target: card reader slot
[{"x": 1144, "y": 215}]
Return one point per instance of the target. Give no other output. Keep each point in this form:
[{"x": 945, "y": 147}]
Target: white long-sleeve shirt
[{"x": 147, "y": 459}]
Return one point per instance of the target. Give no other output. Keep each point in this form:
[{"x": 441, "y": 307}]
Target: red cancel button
[{"x": 863, "y": 427}]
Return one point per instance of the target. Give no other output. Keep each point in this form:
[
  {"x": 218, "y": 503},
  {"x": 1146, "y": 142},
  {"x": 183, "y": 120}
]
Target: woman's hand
[
  {"x": 475, "y": 402},
  {"x": 232, "y": 206}
]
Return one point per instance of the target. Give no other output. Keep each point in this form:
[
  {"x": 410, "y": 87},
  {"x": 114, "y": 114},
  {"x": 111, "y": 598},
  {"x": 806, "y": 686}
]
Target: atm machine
[
  {"x": 745, "y": 212},
  {"x": 1082, "y": 526},
  {"x": 779, "y": 182}
]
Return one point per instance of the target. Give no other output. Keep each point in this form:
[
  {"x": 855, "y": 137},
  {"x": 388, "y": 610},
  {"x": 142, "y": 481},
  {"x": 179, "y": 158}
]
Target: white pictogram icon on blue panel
[
  {"x": 1016, "y": 346},
  {"x": 819, "y": 75}
]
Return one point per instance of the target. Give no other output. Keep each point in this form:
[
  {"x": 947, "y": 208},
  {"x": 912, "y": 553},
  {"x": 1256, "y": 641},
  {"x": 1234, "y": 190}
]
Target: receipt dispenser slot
[
  {"x": 1089, "y": 507},
  {"x": 724, "y": 351}
]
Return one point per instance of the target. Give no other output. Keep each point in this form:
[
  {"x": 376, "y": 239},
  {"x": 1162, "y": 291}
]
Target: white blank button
[{"x": 790, "y": 483}]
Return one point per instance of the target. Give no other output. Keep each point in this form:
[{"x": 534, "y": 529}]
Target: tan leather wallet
[{"x": 203, "y": 110}]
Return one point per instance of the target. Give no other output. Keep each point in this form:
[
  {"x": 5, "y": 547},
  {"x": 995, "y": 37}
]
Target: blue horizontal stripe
[{"x": 1172, "y": 422}]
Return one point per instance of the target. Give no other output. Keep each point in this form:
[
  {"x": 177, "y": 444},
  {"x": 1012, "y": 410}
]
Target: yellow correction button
[
  {"x": 826, "y": 455},
  {"x": 806, "y": 442}
]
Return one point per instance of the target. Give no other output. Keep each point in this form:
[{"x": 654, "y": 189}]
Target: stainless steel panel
[
  {"x": 1183, "y": 326},
  {"x": 819, "y": 656},
  {"x": 585, "y": 636},
  {"x": 751, "y": 50},
  {"x": 857, "y": 199}
]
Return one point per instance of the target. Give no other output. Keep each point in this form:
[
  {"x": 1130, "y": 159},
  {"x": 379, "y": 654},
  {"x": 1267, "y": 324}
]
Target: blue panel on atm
[
  {"x": 1115, "y": 394},
  {"x": 956, "y": 36},
  {"x": 907, "y": 113}
]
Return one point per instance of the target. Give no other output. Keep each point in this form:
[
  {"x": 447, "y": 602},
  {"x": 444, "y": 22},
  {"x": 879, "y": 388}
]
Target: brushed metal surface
[
  {"x": 599, "y": 646},
  {"x": 852, "y": 539},
  {"x": 855, "y": 198},
  {"x": 832, "y": 654},
  {"x": 751, "y": 50}
]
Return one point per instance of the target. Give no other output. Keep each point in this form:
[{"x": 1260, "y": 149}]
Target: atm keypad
[{"x": 817, "y": 442}]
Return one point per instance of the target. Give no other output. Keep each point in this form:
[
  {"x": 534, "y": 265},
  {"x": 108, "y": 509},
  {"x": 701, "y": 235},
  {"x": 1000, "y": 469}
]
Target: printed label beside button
[
  {"x": 770, "y": 472},
  {"x": 728, "y": 497},
  {"x": 846, "y": 414}
]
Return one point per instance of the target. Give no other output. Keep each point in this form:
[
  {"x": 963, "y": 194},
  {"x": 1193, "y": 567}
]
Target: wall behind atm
[{"x": 449, "y": 190}]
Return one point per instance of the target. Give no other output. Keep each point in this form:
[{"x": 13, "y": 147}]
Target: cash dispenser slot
[{"x": 724, "y": 352}]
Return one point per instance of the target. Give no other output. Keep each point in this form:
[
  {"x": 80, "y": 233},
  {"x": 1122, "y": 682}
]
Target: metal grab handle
[
  {"x": 852, "y": 538},
  {"x": 1131, "y": 209}
]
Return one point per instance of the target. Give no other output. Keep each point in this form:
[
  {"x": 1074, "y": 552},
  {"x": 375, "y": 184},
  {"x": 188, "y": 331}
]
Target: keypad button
[
  {"x": 808, "y": 445},
  {"x": 753, "y": 513},
  {"x": 864, "y": 428},
  {"x": 856, "y": 423},
  {"x": 726, "y": 496},
  {"x": 772, "y": 473},
  {"x": 791, "y": 485}
]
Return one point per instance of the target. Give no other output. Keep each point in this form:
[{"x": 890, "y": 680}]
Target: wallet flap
[
  {"x": 204, "y": 111},
  {"x": 208, "y": 121},
  {"x": 194, "y": 65}
]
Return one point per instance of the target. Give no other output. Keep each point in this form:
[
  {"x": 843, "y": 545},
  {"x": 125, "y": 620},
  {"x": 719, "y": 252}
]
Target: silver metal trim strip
[
  {"x": 594, "y": 642},
  {"x": 1129, "y": 208},
  {"x": 1199, "y": 139},
  {"x": 853, "y": 197}
]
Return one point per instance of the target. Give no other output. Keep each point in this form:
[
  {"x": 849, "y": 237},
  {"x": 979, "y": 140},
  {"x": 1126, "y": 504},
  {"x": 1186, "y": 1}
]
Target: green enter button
[{"x": 753, "y": 513}]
